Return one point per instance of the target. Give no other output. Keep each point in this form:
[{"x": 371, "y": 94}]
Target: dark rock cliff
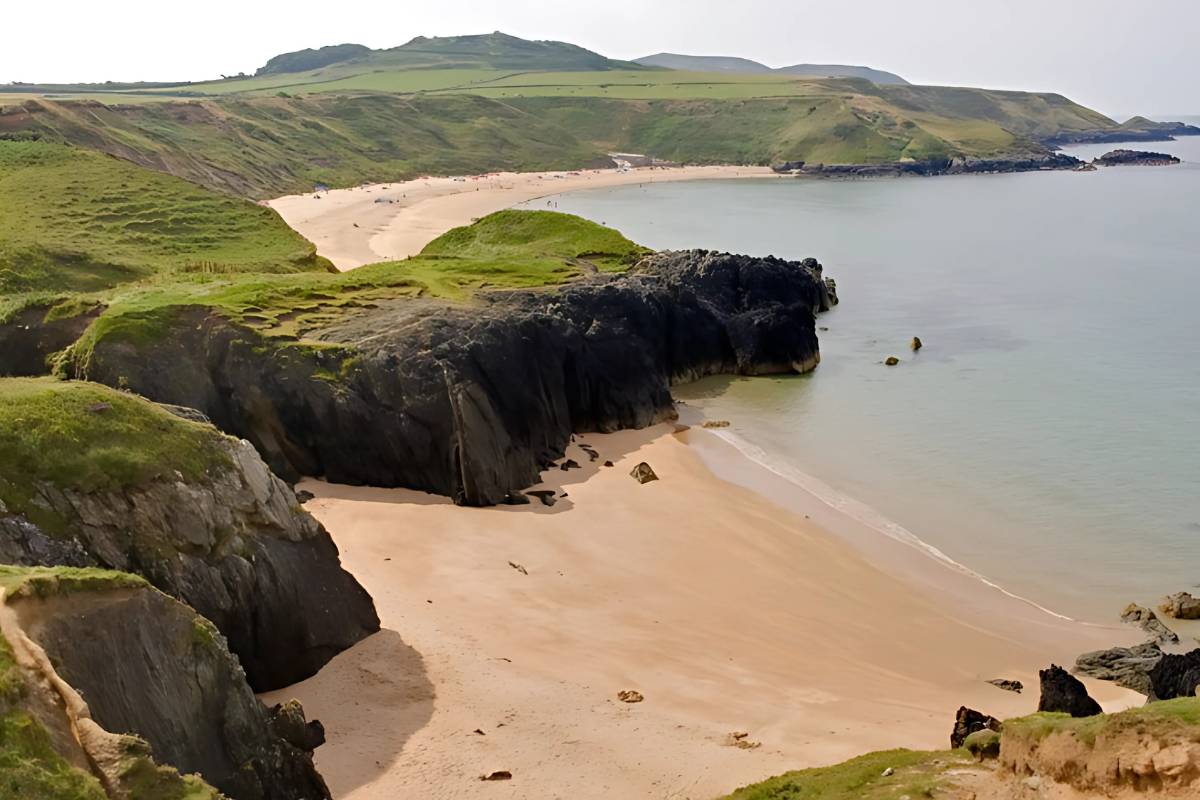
[
  {"x": 472, "y": 401},
  {"x": 236, "y": 547},
  {"x": 184, "y": 693}
]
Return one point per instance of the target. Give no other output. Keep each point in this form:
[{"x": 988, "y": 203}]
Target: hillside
[
  {"x": 267, "y": 145},
  {"x": 76, "y": 219},
  {"x": 746, "y": 66}
]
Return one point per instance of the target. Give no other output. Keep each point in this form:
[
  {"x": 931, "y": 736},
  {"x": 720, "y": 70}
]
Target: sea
[{"x": 1047, "y": 435}]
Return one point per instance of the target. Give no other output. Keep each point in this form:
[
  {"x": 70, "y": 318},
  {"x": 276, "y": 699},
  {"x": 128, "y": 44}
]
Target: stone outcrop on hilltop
[
  {"x": 234, "y": 545},
  {"x": 120, "y": 676},
  {"x": 473, "y": 401}
]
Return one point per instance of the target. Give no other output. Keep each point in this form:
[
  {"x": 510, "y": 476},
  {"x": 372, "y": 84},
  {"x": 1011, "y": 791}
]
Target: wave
[{"x": 864, "y": 514}]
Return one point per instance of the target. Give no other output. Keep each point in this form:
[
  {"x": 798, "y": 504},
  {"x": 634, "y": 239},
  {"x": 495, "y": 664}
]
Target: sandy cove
[
  {"x": 728, "y": 612},
  {"x": 353, "y": 227}
]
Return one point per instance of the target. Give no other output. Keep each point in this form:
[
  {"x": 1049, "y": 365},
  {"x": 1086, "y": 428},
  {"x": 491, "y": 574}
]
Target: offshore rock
[
  {"x": 1135, "y": 158},
  {"x": 1066, "y": 694},
  {"x": 961, "y": 165},
  {"x": 235, "y": 546},
  {"x": 473, "y": 401}
]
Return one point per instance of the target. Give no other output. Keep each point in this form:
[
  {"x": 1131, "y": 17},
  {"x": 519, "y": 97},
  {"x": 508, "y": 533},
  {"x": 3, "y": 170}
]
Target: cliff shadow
[{"x": 371, "y": 699}]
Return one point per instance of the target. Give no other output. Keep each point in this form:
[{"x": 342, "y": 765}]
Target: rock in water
[
  {"x": 1125, "y": 666},
  {"x": 1148, "y": 621},
  {"x": 916, "y": 344},
  {"x": 642, "y": 473},
  {"x": 969, "y": 721},
  {"x": 1135, "y": 158},
  {"x": 1066, "y": 694},
  {"x": 1181, "y": 605},
  {"x": 1175, "y": 676},
  {"x": 892, "y": 361}
]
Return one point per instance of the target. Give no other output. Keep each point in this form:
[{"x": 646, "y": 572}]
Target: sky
[{"x": 1121, "y": 57}]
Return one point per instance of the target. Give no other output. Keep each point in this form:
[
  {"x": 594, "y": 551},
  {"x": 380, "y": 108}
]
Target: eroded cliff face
[
  {"x": 471, "y": 401},
  {"x": 234, "y": 546},
  {"x": 182, "y": 701}
]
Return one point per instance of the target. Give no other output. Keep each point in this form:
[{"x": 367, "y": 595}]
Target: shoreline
[
  {"x": 393, "y": 221},
  {"x": 728, "y": 611}
]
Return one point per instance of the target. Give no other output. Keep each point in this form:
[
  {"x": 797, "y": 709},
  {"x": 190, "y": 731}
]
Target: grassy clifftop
[
  {"x": 75, "y": 219},
  {"x": 86, "y": 437}
]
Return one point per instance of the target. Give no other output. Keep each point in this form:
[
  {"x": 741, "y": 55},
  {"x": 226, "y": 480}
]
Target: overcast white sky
[{"x": 1119, "y": 57}]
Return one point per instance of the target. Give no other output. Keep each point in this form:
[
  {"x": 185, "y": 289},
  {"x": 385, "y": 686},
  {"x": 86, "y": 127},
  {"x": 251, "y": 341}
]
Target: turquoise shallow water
[{"x": 1048, "y": 436}]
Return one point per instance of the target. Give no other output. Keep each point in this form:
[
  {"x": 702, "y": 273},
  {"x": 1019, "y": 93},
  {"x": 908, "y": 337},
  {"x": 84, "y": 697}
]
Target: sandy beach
[
  {"x": 392, "y": 221},
  {"x": 508, "y": 633}
]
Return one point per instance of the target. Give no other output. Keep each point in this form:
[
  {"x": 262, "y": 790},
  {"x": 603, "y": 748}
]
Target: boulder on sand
[
  {"x": 1181, "y": 605},
  {"x": 642, "y": 473},
  {"x": 1175, "y": 676},
  {"x": 1062, "y": 692},
  {"x": 1125, "y": 666}
]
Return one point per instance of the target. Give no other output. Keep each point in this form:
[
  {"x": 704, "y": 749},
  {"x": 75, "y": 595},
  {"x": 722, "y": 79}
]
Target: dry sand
[
  {"x": 728, "y": 612},
  {"x": 392, "y": 221}
]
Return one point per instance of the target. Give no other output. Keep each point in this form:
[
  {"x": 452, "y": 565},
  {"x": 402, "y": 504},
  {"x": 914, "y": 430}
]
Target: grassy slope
[
  {"x": 86, "y": 437},
  {"x": 76, "y": 219}
]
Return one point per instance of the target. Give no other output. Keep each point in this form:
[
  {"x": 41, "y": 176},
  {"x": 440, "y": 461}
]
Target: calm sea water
[{"x": 1048, "y": 435}]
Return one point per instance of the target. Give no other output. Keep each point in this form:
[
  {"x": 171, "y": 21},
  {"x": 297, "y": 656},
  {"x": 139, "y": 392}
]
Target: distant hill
[
  {"x": 746, "y": 66},
  {"x": 303, "y": 60},
  {"x": 844, "y": 71},
  {"x": 485, "y": 51},
  {"x": 703, "y": 63}
]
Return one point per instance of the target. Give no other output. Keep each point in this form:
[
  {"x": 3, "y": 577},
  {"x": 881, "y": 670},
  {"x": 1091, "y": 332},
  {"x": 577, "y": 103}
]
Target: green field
[{"x": 76, "y": 219}]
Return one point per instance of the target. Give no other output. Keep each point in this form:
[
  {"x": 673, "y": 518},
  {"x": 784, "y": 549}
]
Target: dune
[{"x": 509, "y": 632}]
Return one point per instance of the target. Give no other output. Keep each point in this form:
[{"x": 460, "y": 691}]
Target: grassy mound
[
  {"x": 915, "y": 774},
  {"x": 74, "y": 219},
  {"x": 1158, "y": 719},
  {"x": 506, "y": 250},
  {"x": 86, "y": 437}
]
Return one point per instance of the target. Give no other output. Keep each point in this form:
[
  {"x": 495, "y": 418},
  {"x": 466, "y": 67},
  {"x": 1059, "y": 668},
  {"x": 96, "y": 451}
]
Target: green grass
[
  {"x": 30, "y": 767},
  {"x": 73, "y": 219},
  {"x": 142, "y": 779},
  {"x": 916, "y": 774},
  {"x": 1181, "y": 715},
  {"x": 506, "y": 250},
  {"x": 59, "y": 581},
  {"x": 87, "y": 438}
]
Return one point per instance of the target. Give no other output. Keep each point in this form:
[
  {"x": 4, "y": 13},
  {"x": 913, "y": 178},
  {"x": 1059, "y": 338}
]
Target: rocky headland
[
  {"x": 959, "y": 165},
  {"x": 472, "y": 401},
  {"x": 1135, "y": 158}
]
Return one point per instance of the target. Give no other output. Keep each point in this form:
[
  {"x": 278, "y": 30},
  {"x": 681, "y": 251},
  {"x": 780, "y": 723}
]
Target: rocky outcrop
[
  {"x": 1175, "y": 676},
  {"x": 959, "y": 165},
  {"x": 1135, "y": 158},
  {"x": 1133, "y": 131},
  {"x": 474, "y": 401},
  {"x": 184, "y": 693},
  {"x": 1064, "y": 693},
  {"x": 1125, "y": 666},
  {"x": 235, "y": 546},
  {"x": 1181, "y": 605},
  {"x": 1149, "y": 622},
  {"x": 968, "y": 721}
]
